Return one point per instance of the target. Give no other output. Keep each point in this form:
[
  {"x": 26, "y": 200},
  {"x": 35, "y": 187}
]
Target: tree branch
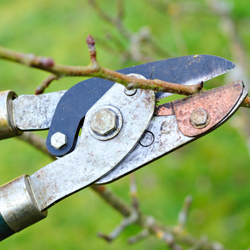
[{"x": 96, "y": 70}]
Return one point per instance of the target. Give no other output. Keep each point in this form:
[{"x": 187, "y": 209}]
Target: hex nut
[
  {"x": 199, "y": 118},
  {"x": 58, "y": 140},
  {"x": 103, "y": 121}
]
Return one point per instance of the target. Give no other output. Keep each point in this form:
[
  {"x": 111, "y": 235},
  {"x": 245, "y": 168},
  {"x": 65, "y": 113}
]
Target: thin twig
[
  {"x": 127, "y": 221},
  {"x": 45, "y": 84},
  {"x": 169, "y": 239},
  {"x": 183, "y": 215},
  {"x": 133, "y": 191},
  {"x": 116, "y": 21},
  {"x": 135, "y": 39},
  {"x": 120, "y": 9},
  {"x": 140, "y": 236}
]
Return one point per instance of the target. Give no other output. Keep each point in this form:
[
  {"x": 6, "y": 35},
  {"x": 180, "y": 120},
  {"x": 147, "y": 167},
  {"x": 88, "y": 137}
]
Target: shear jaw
[
  {"x": 93, "y": 158},
  {"x": 173, "y": 125}
]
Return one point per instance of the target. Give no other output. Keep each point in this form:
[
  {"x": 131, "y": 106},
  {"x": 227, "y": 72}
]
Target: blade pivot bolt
[
  {"x": 199, "y": 118},
  {"x": 103, "y": 121},
  {"x": 58, "y": 140}
]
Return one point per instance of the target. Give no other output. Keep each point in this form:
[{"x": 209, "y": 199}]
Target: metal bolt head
[
  {"x": 103, "y": 121},
  {"x": 58, "y": 140},
  {"x": 199, "y": 117}
]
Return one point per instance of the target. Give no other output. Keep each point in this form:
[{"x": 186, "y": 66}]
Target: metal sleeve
[
  {"x": 7, "y": 122},
  {"x": 18, "y": 206}
]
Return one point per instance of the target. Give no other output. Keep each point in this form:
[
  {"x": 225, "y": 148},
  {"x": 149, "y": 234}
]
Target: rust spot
[
  {"x": 164, "y": 110},
  {"x": 217, "y": 103}
]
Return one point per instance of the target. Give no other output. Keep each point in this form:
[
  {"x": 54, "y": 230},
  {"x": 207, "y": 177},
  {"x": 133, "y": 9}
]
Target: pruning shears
[{"x": 100, "y": 131}]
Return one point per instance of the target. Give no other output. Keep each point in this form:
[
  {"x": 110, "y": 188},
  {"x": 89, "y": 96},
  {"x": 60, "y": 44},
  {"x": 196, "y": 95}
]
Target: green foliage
[{"x": 214, "y": 169}]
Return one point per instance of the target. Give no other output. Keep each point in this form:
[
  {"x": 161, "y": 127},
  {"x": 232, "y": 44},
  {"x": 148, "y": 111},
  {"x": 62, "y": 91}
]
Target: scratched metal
[
  {"x": 164, "y": 109},
  {"x": 167, "y": 139},
  {"x": 17, "y": 204},
  {"x": 192, "y": 69},
  {"x": 93, "y": 158},
  {"x": 216, "y": 102},
  {"x": 34, "y": 112}
]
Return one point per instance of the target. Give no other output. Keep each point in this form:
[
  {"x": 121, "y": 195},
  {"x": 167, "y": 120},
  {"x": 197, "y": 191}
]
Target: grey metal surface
[
  {"x": 7, "y": 123},
  {"x": 167, "y": 138},
  {"x": 190, "y": 70},
  {"x": 147, "y": 139},
  {"x": 94, "y": 158},
  {"x": 164, "y": 143},
  {"x": 17, "y": 204},
  {"x": 35, "y": 112}
]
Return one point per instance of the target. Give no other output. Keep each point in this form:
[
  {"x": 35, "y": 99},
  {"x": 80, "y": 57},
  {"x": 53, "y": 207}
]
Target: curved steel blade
[{"x": 190, "y": 70}]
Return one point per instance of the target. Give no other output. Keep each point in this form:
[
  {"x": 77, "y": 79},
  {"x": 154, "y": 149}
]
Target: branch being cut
[{"x": 96, "y": 70}]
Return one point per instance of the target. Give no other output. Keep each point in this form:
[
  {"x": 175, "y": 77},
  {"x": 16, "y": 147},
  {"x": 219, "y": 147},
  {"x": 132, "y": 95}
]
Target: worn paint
[{"x": 217, "y": 103}]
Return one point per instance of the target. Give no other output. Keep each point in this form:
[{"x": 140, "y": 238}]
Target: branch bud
[{"x": 90, "y": 42}]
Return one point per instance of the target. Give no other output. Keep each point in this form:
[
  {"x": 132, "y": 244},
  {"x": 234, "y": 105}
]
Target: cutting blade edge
[{"x": 190, "y": 70}]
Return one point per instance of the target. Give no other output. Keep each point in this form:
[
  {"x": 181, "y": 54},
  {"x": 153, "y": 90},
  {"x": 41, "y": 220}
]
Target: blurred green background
[{"x": 215, "y": 170}]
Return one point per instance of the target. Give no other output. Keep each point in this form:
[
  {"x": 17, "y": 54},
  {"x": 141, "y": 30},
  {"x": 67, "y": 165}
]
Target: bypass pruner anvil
[{"x": 122, "y": 130}]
